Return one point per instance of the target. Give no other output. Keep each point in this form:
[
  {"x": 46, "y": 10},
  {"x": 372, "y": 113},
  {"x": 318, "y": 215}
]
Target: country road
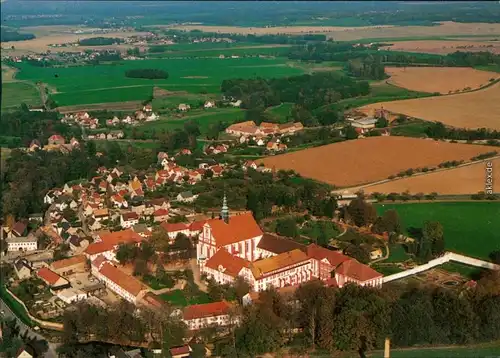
[{"x": 51, "y": 353}]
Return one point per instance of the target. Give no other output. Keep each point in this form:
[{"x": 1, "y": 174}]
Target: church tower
[{"x": 225, "y": 210}]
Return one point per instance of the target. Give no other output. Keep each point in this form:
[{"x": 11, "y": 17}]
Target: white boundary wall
[{"x": 448, "y": 256}]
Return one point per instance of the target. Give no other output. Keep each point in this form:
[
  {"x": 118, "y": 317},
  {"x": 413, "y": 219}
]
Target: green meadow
[
  {"x": 470, "y": 228},
  {"x": 107, "y": 82},
  {"x": 15, "y": 93}
]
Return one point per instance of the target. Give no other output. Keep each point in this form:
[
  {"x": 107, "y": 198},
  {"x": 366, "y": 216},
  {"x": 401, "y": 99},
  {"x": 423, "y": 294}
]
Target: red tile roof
[
  {"x": 122, "y": 236},
  {"x": 357, "y": 271},
  {"x": 75, "y": 260},
  {"x": 128, "y": 283},
  {"x": 319, "y": 253},
  {"x": 197, "y": 225},
  {"x": 227, "y": 263},
  {"x": 173, "y": 227},
  {"x": 130, "y": 216},
  {"x": 98, "y": 261},
  {"x": 240, "y": 227},
  {"x": 49, "y": 276},
  {"x": 180, "y": 350},
  {"x": 98, "y": 248},
  {"x": 160, "y": 212},
  {"x": 206, "y": 310}
]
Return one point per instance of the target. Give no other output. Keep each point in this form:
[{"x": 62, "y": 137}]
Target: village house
[
  {"x": 173, "y": 229},
  {"x": 29, "y": 243},
  {"x": 290, "y": 128},
  {"x": 209, "y": 104},
  {"x": 147, "y": 108},
  {"x": 52, "y": 279},
  {"x": 186, "y": 197},
  {"x": 216, "y": 314},
  {"x": 70, "y": 266},
  {"x": 128, "y": 220},
  {"x": 56, "y": 139},
  {"x": 23, "y": 268},
  {"x": 125, "y": 286},
  {"x": 184, "y": 107},
  {"x": 101, "y": 214},
  {"x": 160, "y": 215},
  {"x": 249, "y": 164},
  {"x": 78, "y": 244},
  {"x": 181, "y": 352}
]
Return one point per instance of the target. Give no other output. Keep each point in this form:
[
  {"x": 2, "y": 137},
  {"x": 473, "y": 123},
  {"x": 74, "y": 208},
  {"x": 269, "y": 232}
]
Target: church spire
[{"x": 225, "y": 210}]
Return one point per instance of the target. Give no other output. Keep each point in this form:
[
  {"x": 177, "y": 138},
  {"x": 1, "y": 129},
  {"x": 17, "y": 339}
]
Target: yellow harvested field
[
  {"x": 439, "y": 79},
  {"x": 41, "y": 44},
  {"x": 468, "y": 179},
  {"x": 443, "y": 47},
  {"x": 372, "y": 159},
  {"x": 478, "y": 109},
  {"x": 447, "y": 28}
]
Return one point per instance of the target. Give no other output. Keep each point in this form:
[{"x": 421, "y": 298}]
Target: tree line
[
  {"x": 149, "y": 73},
  {"x": 438, "y": 130},
  {"x": 100, "y": 41},
  {"x": 13, "y": 35}
]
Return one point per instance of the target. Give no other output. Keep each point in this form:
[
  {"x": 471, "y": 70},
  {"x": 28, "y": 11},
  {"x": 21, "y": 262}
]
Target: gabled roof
[
  {"x": 206, "y": 310},
  {"x": 49, "y": 276},
  {"x": 126, "y": 282},
  {"x": 278, "y": 245},
  {"x": 357, "y": 271},
  {"x": 180, "y": 350},
  {"x": 160, "y": 212},
  {"x": 265, "y": 266},
  {"x": 130, "y": 216},
  {"x": 240, "y": 227},
  {"x": 75, "y": 260},
  {"x": 173, "y": 227},
  {"x": 319, "y": 253},
  {"x": 98, "y": 248},
  {"x": 123, "y": 236},
  {"x": 226, "y": 263}
]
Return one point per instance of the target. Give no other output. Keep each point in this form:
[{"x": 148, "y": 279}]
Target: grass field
[
  {"x": 107, "y": 83},
  {"x": 15, "y": 93},
  {"x": 397, "y": 253},
  {"x": 282, "y": 111},
  {"x": 177, "y": 298},
  {"x": 414, "y": 128},
  {"x": 314, "y": 229},
  {"x": 203, "y": 118},
  {"x": 470, "y": 228}
]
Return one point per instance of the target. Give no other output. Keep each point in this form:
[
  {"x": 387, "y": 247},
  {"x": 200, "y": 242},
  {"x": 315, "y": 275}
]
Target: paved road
[{"x": 51, "y": 353}]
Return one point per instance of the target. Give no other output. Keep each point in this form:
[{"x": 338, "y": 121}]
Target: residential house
[
  {"x": 29, "y": 243},
  {"x": 290, "y": 128},
  {"x": 236, "y": 103},
  {"x": 249, "y": 164},
  {"x": 118, "y": 201},
  {"x": 77, "y": 243},
  {"x": 23, "y": 268},
  {"x": 93, "y": 224},
  {"x": 209, "y": 104},
  {"x": 160, "y": 215},
  {"x": 52, "y": 279},
  {"x": 216, "y": 314},
  {"x": 56, "y": 139},
  {"x": 181, "y": 352},
  {"x": 128, "y": 220},
  {"x": 147, "y": 108},
  {"x": 70, "y": 266},
  {"x": 173, "y": 229},
  {"x": 127, "y": 287},
  {"x": 186, "y": 197},
  {"x": 184, "y": 107}
]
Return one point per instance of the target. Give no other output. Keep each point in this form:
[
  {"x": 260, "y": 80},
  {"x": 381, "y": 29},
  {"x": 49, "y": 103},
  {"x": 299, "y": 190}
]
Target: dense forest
[
  {"x": 307, "y": 91},
  {"x": 13, "y": 35},
  {"x": 359, "y": 319},
  {"x": 100, "y": 41},
  {"x": 149, "y": 73}
]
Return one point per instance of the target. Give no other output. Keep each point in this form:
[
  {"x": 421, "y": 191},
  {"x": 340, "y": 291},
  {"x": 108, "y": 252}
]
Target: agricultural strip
[
  {"x": 439, "y": 79},
  {"x": 15, "y": 93},
  {"x": 477, "y": 109},
  {"x": 444, "y": 47},
  {"x": 468, "y": 179},
  {"x": 367, "y": 160},
  {"x": 470, "y": 228}
]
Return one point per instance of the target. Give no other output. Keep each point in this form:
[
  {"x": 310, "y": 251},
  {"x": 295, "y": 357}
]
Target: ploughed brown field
[
  {"x": 371, "y": 159},
  {"x": 443, "y": 47},
  {"x": 439, "y": 79},
  {"x": 478, "y": 109},
  {"x": 468, "y": 179}
]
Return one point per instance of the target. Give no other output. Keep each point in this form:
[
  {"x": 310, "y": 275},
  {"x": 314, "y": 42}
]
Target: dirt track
[{"x": 367, "y": 160}]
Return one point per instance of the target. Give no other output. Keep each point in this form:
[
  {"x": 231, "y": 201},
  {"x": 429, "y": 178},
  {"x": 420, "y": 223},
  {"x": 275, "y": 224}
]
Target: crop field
[
  {"x": 107, "y": 83},
  {"x": 477, "y": 109},
  {"x": 15, "y": 93},
  {"x": 367, "y": 160},
  {"x": 439, "y": 79},
  {"x": 468, "y": 179},
  {"x": 443, "y": 47},
  {"x": 470, "y": 228}
]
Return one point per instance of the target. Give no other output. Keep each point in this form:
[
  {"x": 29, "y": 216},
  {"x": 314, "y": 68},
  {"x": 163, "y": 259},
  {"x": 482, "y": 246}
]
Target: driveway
[{"x": 51, "y": 353}]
